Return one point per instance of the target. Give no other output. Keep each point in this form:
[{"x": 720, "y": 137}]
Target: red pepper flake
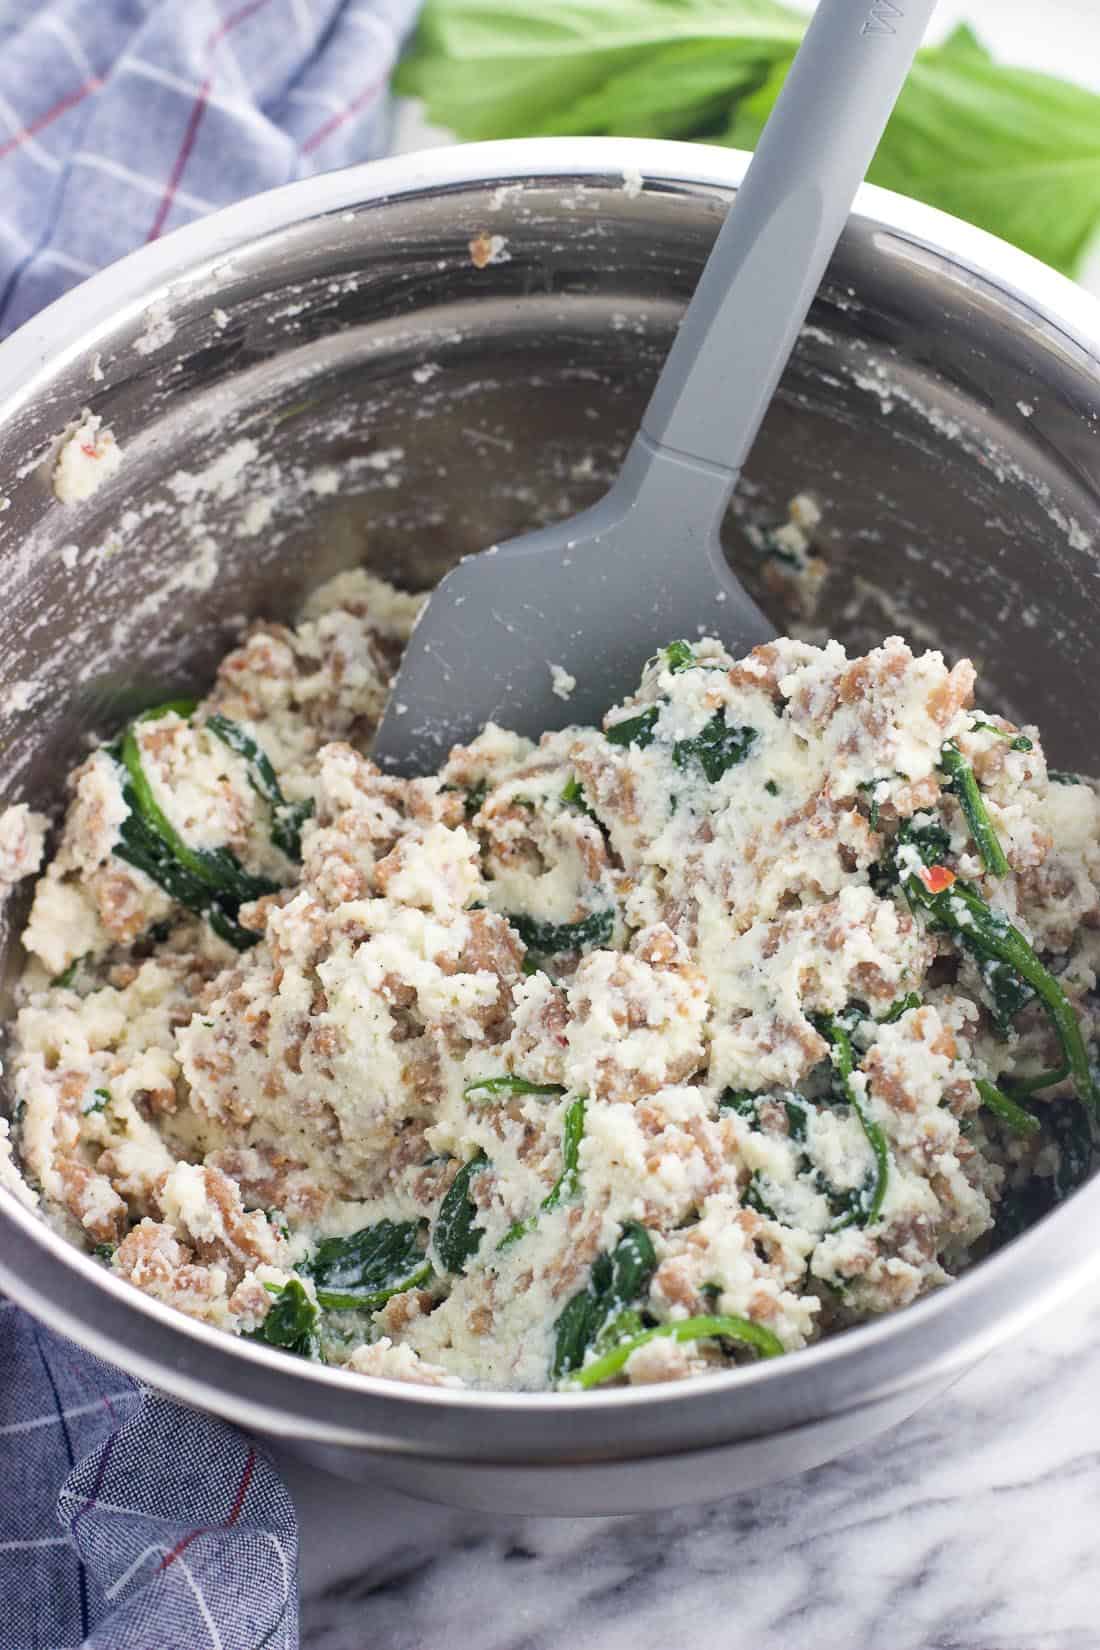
[
  {"x": 88, "y": 449},
  {"x": 936, "y": 878}
]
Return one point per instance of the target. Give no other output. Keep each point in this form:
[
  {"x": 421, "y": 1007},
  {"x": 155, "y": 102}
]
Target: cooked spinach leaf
[
  {"x": 567, "y": 1186},
  {"x": 475, "y": 796},
  {"x": 287, "y": 817},
  {"x": 678, "y": 656},
  {"x": 753, "y": 1196},
  {"x": 900, "y": 1006},
  {"x": 551, "y": 939},
  {"x": 931, "y": 841},
  {"x": 457, "y": 1237},
  {"x": 716, "y": 747},
  {"x": 741, "y": 1101},
  {"x": 1017, "y": 741},
  {"x": 608, "y": 1304},
  {"x": 1002, "y": 953},
  {"x": 962, "y": 780},
  {"x": 861, "y": 1205},
  {"x": 1067, "y": 1125},
  {"x": 1006, "y": 990},
  {"x": 292, "y": 1322},
  {"x": 211, "y": 882},
  {"x": 360, "y": 1272},
  {"x": 634, "y": 730}
]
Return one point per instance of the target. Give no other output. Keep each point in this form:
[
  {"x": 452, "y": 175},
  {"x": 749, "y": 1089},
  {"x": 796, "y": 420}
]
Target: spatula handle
[{"x": 772, "y": 250}]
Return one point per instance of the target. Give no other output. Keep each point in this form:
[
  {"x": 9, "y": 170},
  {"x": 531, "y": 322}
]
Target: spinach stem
[
  {"x": 1013, "y": 1116},
  {"x": 988, "y": 934},
  {"x": 601, "y": 1369},
  {"x": 867, "y": 1207},
  {"x": 965, "y": 785}
]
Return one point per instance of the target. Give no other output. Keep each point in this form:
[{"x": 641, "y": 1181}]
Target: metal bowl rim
[{"x": 69, "y": 325}]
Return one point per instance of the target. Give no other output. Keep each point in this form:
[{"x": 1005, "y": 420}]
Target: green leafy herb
[
  {"x": 1016, "y": 741},
  {"x": 360, "y": 1272},
  {"x": 104, "y": 1252},
  {"x": 962, "y": 780},
  {"x": 716, "y": 747},
  {"x": 678, "y": 656},
  {"x": 490, "y": 1086},
  {"x": 742, "y": 1330},
  {"x": 1009, "y": 149},
  {"x": 1004, "y": 1107},
  {"x": 900, "y": 1006},
  {"x": 457, "y": 1236},
  {"x": 292, "y": 1322},
  {"x": 568, "y": 1184},
  {"x": 771, "y": 787},
  {"x": 101, "y": 1099},
  {"x": 68, "y": 975},
  {"x": 551, "y": 939},
  {"x": 1059, "y": 776},
  {"x": 634, "y": 730},
  {"x": 863, "y": 1204},
  {"x": 607, "y": 1305},
  {"x": 965, "y": 135},
  {"x": 287, "y": 817}
]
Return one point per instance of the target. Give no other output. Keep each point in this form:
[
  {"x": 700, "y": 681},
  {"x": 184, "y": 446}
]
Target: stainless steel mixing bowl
[{"x": 328, "y": 373}]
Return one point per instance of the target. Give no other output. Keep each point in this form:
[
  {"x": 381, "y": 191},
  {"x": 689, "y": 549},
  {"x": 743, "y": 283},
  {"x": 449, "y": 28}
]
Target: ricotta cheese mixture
[{"x": 759, "y": 1011}]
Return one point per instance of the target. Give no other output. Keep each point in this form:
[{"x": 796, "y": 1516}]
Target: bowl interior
[{"x": 362, "y": 385}]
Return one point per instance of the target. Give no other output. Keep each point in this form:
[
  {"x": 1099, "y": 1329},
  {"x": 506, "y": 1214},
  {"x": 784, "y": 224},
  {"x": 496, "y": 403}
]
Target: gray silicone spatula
[{"x": 598, "y": 594}]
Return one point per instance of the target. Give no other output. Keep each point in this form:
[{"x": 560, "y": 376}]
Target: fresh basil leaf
[
  {"x": 1012, "y": 150},
  {"x": 504, "y": 68}
]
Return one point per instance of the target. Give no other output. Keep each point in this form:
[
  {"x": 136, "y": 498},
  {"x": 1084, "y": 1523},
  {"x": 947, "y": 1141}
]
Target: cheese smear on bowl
[{"x": 758, "y": 1011}]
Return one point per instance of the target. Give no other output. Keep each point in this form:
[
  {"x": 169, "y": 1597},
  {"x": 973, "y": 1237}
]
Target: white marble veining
[{"x": 973, "y": 1526}]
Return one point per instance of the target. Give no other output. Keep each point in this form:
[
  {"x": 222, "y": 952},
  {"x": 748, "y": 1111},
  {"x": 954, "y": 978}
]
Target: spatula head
[{"x": 554, "y": 628}]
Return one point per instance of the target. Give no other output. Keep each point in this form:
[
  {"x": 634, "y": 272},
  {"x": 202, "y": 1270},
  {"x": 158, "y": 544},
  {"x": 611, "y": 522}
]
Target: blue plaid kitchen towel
[
  {"x": 127, "y": 1522},
  {"x": 123, "y": 119}
]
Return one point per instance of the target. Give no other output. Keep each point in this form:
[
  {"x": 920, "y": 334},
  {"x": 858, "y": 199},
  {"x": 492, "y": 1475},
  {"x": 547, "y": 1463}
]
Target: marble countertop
[{"x": 972, "y": 1526}]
